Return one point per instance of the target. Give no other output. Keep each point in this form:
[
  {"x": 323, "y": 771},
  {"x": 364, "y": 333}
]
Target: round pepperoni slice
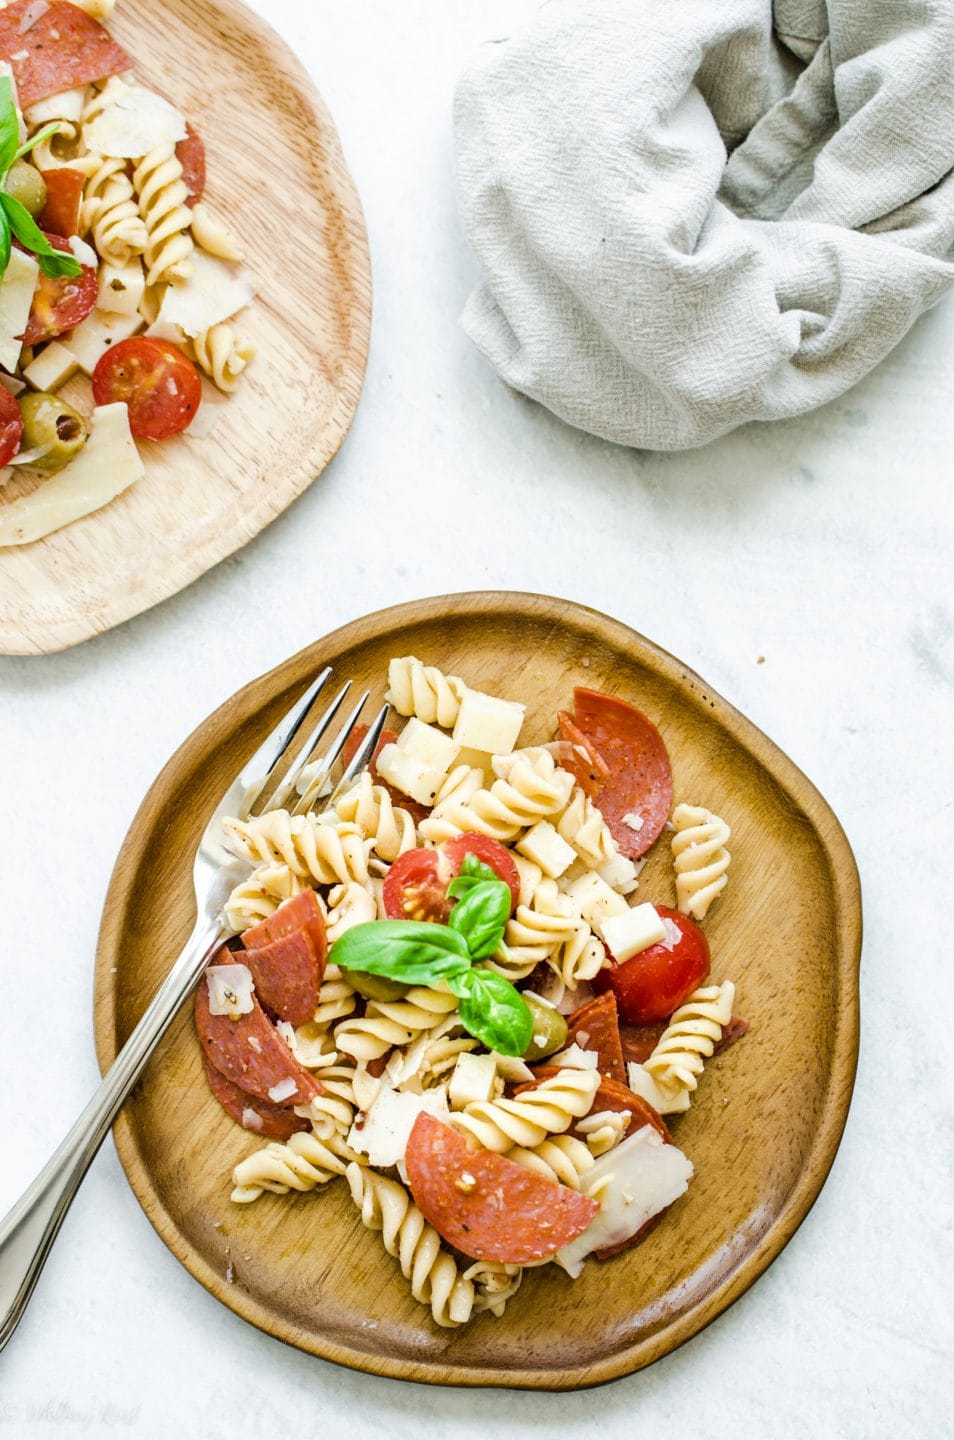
[
  {"x": 250, "y": 1052},
  {"x": 11, "y": 426},
  {"x": 487, "y": 1206},
  {"x": 64, "y": 191},
  {"x": 56, "y": 47},
  {"x": 636, "y": 796},
  {"x": 303, "y": 912},
  {"x": 287, "y": 975},
  {"x": 262, "y": 1117}
]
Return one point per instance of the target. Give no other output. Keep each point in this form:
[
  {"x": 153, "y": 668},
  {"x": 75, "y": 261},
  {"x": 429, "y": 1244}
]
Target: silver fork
[{"x": 28, "y": 1231}]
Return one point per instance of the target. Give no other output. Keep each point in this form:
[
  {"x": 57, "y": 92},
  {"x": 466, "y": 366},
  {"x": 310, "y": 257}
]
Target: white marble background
[{"x": 822, "y": 544}]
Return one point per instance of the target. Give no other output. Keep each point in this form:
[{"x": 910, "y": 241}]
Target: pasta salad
[
  {"x": 118, "y": 283},
  {"x": 448, "y": 993}
]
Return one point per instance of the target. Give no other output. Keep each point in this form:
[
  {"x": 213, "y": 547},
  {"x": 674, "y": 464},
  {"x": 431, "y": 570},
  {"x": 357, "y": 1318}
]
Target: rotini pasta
[
  {"x": 328, "y": 854},
  {"x": 162, "y": 194},
  {"x": 260, "y": 895},
  {"x": 387, "y": 1024},
  {"x": 700, "y": 858},
  {"x": 301, "y": 1163},
  {"x": 432, "y": 1272},
  {"x": 222, "y": 354},
  {"x": 110, "y": 213},
  {"x": 604, "y": 1129},
  {"x": 688, "y": 1041},
  {"x": 388, "y": 827},
  {"x": 529, "y": 787},
  {"x": 562, "y": 1158},
  {"x": 349, "y": 905},
  {"x": 529, "y": 1118},
  {"x": 424, "y": 691},
  {"x": 212, "y": 235}
]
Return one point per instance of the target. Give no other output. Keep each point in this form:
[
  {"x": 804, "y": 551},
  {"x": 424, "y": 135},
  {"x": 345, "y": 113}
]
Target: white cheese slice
[
  {"x": 84, "y": 253},
  {"x": 574, "y": 1057},
  {"x": 51, "y": 367},
  {"x": 428, "y": 745},
  {"x": 621, "y": 873},
  {"x": 597, "y": 901},
  {"x": 667, "y": 1102},
  {"x": 136, "y": 122},
  {"x": 107, "y": 464},
  {"x": 67, "y": 105},
  {"x": 16, "y": 297},
  {"x": 628, "y": 935},
  {"x": 382, "y": 1134},
  {"x": 474, "y": 1078},
  {"x": 92, "y": 338},
  {"x": 486, "y": 723},
  {"x": 547, "y": 848},
  {"x": 407, "y": 774},
  {"x": 121, "y": 287},
  {"x": 213, "y": 292},
  {"x": 639, "y": 1177},
  {"x": 230, "y": 990}
]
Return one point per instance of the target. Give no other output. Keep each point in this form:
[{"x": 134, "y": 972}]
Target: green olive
[
  {"x": 25, "y": 183},
  {"x": 48, "y": 420},
  {"x": 549, "y": 1029},
  {"x": 375, "y": 987}
]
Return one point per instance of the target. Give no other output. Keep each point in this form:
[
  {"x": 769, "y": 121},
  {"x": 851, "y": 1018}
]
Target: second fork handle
[{"x": 28, "y": 1231}]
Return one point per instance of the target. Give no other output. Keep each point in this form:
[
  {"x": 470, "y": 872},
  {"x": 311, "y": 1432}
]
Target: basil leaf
[
  {"x": 472, "y": 872},
  {"x": 417, "y": 954},
  {"x": 5, "y": 245},
  {"x": 482, "y": 916},
  {"x": 9, "y": 125},
  {"x": 43, "y": 134},
  {"x": 493, "y": 1011},
  {"x": 54, "y": 263}
]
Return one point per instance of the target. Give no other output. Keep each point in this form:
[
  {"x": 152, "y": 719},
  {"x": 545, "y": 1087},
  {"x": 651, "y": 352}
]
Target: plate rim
[
  {"x": 819, "y": 1158},
  {"x": 20, "y": 634}
]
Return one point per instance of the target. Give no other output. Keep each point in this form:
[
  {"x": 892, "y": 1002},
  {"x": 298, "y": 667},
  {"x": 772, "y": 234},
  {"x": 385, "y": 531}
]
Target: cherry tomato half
[
  {"x": 650, "y": 986},
  {"x": 11, "y": 426},
  {"x": 159, "y": 384},
  {"x": 60, "y": 304},
  {"x": 415, "y": 887}
]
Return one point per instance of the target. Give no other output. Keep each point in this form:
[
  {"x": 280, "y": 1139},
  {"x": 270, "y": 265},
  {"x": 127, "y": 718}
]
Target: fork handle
[{"x": 28, "y": 1231}]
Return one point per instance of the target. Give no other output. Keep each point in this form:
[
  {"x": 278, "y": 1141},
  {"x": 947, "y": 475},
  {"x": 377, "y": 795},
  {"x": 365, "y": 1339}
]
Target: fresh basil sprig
[
  {"x": 472, "y": 872},
  {"x": 15, "y": 219},
  {"x": 420, "y": 953}
]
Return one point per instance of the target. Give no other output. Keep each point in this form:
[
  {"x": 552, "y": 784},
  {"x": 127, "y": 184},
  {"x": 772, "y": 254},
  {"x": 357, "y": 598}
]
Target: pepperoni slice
[
  {"x": 639, "y": 1041},
  {"x": 190, "y": 153},
  {"x": 736, "y": 1028},
  {"x": 63, "y": 48},
  {"x": 487, "y": 1206},
  {"x": 250, "y": 1052},
  {"x": 302, "y": 912},
  {"x": 262, "y": 1117},
  {"x": 64, "y": 190},
  {"x": 416, "y": 811},
  {"x": 640, "y": 780},
  {"x": 585, "y": 761},
  {"x": 288, "y": 975},
  {"x": 595, "y": 1026}
]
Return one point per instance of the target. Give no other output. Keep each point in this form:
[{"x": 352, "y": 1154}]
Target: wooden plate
[
  {"x": 276, "y": 173},
  {"x": 769, "y": 1113}
]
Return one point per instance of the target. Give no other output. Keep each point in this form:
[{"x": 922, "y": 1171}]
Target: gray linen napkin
[{"x": 694, "y": 213}]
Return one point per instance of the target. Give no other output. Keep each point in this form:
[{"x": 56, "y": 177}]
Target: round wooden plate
[
  {"x": 276, "y": 174},
  {"x": 762, "y": 1133}
]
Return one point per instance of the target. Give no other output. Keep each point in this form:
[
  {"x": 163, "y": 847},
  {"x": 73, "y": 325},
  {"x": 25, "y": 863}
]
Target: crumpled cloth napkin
[{"x": 695, "y": 213}]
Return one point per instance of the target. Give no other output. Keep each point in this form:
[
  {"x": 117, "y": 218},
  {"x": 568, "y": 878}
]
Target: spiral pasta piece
[
  {"x": 336, "y": 1000},
  {"x": 260, "y": 895},
  {"x": 387, "y": 1024},
  {"x": 689, "y": 1039},
  {"x": 302, "y": 1163},
  {"x": 529, "y": 787},
  {"x": 389, "y": 828},
  {"x": 582, "y": 825},
  {"x": 431, "y": 1054},
  {"x": 700, "y": 858},
  {"x": 537, "y": 930},
  {"x": 424, "y": 691},
  {"x": 221, "y": 353},
  {"x": 162, "y": 193},
  {"x": 457, "y": 790},
  {"x": 328, "y": 854},
  {"x": 603, "y": 1130},
  {"x": 211, "y": 235},
  {"x": 349, "y": 905},
  {"x": 562, "y": 1158},
  {"x": 434, "y": 1278},
  {"x": 530, "y": 1117},
  {"x": 332, "y": 1112},
  {"x": 494, "y": 1284},
  {"x": 109, "y": 210}
]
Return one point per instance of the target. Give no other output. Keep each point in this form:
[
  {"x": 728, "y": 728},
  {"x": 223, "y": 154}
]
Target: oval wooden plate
[
  {"x": 277, "y": 175},
  {"x": 762, "y": 1133}
]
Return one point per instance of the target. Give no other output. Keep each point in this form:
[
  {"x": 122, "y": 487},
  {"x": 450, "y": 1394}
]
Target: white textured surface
[{"x": 823, "y": 544}]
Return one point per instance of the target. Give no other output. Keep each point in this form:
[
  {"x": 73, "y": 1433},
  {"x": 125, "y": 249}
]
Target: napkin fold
[{"x": 691, "y": 215}]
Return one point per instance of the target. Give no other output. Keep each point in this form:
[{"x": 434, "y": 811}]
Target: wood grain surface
[
  {"x": 762, "y": 1133},
  {"x": 277, "y": 176}
]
